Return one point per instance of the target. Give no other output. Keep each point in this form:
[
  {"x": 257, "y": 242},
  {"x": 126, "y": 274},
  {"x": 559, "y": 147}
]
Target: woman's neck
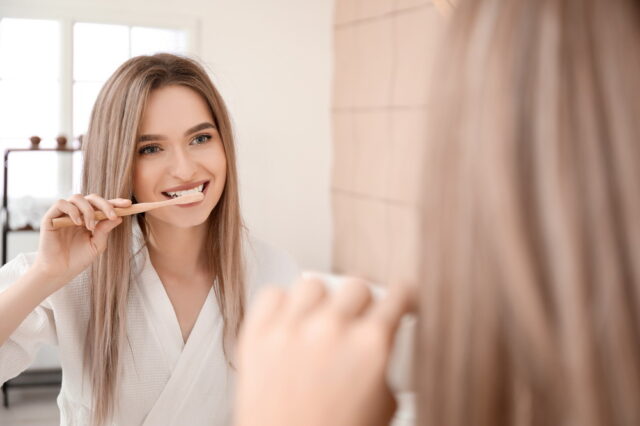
[{"x": 177, "y": 251}]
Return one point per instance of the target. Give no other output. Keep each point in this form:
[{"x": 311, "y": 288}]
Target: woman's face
[{"x": 178, "y": 149}]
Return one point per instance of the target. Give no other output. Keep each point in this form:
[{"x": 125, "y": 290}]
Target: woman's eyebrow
[
  {"x": 196, "y": 128},
  {"x": 147, "y": 138}
]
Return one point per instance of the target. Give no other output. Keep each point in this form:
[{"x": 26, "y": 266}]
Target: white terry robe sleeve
[{"x": 38, "y": 328}]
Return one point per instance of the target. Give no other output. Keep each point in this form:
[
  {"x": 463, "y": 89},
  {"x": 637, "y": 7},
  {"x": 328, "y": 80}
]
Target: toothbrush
[{"x": 66, "y": 221}]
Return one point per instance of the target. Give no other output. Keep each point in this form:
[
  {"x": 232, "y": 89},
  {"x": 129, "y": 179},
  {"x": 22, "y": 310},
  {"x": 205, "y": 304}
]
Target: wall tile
[
  {"x": 374, "y": 43},
  {"x": 406, "y": 154},
  {"x": 384, "y": 52},
  {"x": 345, "y": 67},
  {"x": 344, "y": 221},
  {"x": 403, "y": 243},
  {"x": 371, "y": 239},
  {"x": 407, "y": 4},
  {"x": 345, "y": 151},
  {"x": 373, "y": 135},
  {"x": 375, "y": 8},
  {"x": 416, "y": 44},
  {"x": 346, "y": 11}
]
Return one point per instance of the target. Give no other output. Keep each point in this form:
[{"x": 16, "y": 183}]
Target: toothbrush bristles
[{"x": 190, "y": 198}]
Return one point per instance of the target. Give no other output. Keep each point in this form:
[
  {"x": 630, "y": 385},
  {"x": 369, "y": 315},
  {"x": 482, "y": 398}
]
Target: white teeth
[{"x": 189, "y": 191}]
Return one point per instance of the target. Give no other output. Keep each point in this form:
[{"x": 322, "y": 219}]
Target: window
[
  {"x": 49, "y": 82},
  {"x": 29, "y": 77},
  {"x": 30, "y": 81},
  {"x": 98, "y": 49}
]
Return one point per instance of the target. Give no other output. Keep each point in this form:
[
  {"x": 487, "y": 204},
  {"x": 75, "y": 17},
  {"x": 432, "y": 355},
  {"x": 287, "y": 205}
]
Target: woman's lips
[{"x": 204, "y": 192}]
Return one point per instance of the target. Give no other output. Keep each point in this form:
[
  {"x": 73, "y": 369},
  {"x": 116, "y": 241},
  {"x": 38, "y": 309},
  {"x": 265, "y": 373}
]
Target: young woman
[
  {"x": 529, "y": 306},
  {"x": 144, "y": 309}
]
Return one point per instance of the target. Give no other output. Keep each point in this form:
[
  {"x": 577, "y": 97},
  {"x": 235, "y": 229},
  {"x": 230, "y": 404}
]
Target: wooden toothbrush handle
[{"x": 66, "y": 221}]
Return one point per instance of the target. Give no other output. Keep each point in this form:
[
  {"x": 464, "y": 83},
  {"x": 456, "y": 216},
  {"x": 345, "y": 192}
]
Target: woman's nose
[{"x": 183, "y": 166}]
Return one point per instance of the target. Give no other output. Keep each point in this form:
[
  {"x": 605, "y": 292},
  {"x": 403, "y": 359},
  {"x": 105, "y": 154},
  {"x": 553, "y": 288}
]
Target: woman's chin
[{"x": 179, "y": 220}]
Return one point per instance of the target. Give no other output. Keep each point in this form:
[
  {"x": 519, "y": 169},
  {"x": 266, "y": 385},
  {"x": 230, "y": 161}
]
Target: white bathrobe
[{"x": 164, "y": 381}]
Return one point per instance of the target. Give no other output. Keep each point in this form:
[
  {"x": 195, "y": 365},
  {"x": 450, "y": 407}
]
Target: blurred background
[{"x": 328, "y": 99}]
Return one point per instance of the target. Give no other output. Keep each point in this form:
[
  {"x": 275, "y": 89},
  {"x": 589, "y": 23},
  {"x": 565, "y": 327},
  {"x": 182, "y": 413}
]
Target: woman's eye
[
  {"x": 200, "y": 139},
  {"x": 149, "y": 149}
]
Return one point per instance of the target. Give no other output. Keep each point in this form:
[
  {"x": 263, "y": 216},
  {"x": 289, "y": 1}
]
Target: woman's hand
[
  {"x": 65, "y": 252},
  {"x": 313, "y": 358}
]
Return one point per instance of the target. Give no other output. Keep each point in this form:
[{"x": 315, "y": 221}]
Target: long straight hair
[
  {"x": 530, "y": 309},
  {"x": 109, "y": 153}
]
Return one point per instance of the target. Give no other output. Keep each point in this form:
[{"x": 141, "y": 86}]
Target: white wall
[{"x": 272, "y": 62}]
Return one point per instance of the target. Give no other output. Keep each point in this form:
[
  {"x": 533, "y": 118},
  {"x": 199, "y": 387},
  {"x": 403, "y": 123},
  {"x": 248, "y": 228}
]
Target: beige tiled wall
[{"x": 384, "y": 51}]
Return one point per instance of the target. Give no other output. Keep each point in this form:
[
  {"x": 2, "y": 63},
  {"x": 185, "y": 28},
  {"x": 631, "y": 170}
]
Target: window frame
[{"x": 68, "y": 15}]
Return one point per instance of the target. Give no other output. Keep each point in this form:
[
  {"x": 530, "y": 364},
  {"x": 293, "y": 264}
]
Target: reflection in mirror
[{"x": 155, "y": 300}]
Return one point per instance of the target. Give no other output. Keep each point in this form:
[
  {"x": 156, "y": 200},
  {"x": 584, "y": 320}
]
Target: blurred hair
[{"x": 530, "y": 310}]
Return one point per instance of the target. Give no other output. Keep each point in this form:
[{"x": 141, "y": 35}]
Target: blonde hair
[
  {"x": 530, "y": 310},
  {"x": 109, "y": 153}
]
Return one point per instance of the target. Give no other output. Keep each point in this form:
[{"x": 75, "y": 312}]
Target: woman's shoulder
[{"x": 267, "y": 264}]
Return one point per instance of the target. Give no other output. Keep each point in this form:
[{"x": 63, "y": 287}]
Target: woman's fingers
[
  {"x": 87, "y": 210},
  {"x": 120, "y": 202},
  {"x": 326, "y": 338},
  {"x": 388, "y": 312},
  {"x": 351, "y": 299},
  {"x": 268, "y": 304},
  {"x": 307, "y": 294},
  {"x": 103, "y": 205},
  {"x": 60, "y": 208}
]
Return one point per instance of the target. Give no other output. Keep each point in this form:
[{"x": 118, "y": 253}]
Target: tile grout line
[
  {"x": 353, "y": 255},
  {"x": 393, "y": 13},
  {"x": 388, "y": 220},
  {"x": 367, "y": 197},
  {"x": 380, "y": 108}
]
